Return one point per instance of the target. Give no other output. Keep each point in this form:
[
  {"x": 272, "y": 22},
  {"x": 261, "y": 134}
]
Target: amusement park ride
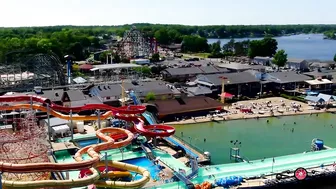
[
  {"x": 135, "y": 45},
  {"x": 24, "y": 161}
]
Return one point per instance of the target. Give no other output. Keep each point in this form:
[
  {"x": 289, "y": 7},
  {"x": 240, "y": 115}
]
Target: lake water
[
  {"x": 258, "y": 138},
  {"x": 305, "y": 46}
]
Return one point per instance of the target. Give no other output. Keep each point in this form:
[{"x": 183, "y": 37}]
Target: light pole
[
  {"x": 68, "y": 59},
  {"x": 223, "y": 91},
  {"x": 98, "y": 121}
]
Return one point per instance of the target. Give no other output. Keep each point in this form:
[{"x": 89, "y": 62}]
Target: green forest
[{"x": 80, "y": 41}]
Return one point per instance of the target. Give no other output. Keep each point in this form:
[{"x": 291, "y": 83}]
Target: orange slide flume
[{"x": 93, "y": 151}]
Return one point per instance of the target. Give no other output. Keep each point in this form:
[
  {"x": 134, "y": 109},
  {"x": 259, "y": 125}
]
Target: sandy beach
[{"x": 261, "y": 108}]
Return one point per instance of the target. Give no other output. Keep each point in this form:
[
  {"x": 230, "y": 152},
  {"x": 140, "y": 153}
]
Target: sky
[{"x": 15, "y": 13}]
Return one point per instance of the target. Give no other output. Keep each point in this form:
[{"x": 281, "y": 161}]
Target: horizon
[
  {"x": 40, "y": 13},
  {"x": 166, "y": 24}
]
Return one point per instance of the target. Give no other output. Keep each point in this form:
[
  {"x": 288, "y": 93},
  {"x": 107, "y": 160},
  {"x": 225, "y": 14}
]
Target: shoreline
[
  {"x": 241, "y": 116},
  {"x": 228, "y": 118}
]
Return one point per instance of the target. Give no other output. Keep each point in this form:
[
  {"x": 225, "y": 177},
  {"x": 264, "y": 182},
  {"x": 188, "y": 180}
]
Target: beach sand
[{"x": 237, "y": 114}]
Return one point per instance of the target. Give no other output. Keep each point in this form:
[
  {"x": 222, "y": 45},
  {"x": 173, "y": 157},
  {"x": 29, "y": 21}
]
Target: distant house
[
  {"x": 169, "y": 110},
  {"x": 238, "y": 67},
  {"x": 244, "y": 83},
  {"x": 321, "y": 65},
  {"x": 159, "y": 88},
  {"x": 297, "y": 64},
  {"x": 265, "y": 61},
  {"x": 288, "y": 81},
  {"x": 54, "y": 95},
  {"x": 111, "y": 93},
  {"x": 73, "y": 98},
  {"x": 199, "y": 91},
  {"x": 319, "y": 85},
  {"x": 107, "y": 94},
  {"x": 183, "y": 74}
]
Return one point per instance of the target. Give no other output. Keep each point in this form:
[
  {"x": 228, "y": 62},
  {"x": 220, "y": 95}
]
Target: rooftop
[
  {"x": 235, "y": 66},
  {"x": 199, "y": 90},
  {"x": 232, "y": 78},
  {"x": 319, "y": 82},
  {"x": 141, "y": 88},
  {"x": 183, "y": 71},
  {"x": 295, "y": 60},
  {"x": 53, "y": 95},
  {"x": 189, "y": 104},
  {"x": 114, "y": 66},
  {"x": 286, "y": 77}
]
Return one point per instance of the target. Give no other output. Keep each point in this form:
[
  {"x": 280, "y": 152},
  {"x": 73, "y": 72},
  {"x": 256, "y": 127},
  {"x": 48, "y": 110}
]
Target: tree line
[{"x": 81, "y": 40}]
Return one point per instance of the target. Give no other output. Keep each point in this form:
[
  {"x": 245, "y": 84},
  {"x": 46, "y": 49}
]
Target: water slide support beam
[
  {"x": 48, "y": 117},
  {"x": 99, "y": 126},
  {"x": 71, "y": 126}
]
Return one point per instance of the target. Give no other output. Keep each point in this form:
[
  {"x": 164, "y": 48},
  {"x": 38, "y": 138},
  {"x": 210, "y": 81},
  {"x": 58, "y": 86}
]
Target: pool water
[
  {"x": 84, "y": 143},
  {"x": 145, "y": 163},
  {"x": 259, "y": 139}
]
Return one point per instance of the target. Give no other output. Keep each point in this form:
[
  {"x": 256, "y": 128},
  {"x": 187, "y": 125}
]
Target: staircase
[{"x": 148, "y": 152}]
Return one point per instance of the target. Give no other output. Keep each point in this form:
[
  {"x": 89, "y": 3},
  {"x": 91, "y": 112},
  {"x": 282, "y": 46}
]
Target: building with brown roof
[{"x": 169, "y": 110}]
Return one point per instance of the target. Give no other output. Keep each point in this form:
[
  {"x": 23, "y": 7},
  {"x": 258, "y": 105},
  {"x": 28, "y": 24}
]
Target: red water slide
[
  {"x": 125, "y": 113},
  {"x": 149, "y": 130},
  {"x": 122, "y": 110}
]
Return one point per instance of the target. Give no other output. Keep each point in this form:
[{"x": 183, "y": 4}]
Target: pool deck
[
  {"x": 201, "y": 158},
  {"x": 257, "y": 168}
]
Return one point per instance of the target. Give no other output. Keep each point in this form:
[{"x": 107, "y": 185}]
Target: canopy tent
[
  {"x": 226, "y": 95},
  {"x": 326, "y": 97},
  {"x": 85, "y": 67},
  {"x": 314, "y": 99}
]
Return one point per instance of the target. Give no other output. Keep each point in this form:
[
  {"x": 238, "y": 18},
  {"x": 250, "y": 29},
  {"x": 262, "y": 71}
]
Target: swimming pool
[
  {"x": 145, "y": 163},
  {"x": 258, "y": 138},
  {"x": 84, "y": 143}
]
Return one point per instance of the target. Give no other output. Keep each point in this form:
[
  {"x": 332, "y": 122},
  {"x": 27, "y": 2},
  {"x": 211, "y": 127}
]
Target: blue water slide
[
  {"x": 149, "y": 118},
  {"x": 135, "y": 99}
]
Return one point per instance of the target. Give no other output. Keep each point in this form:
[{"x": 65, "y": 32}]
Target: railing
[{"x": 191, "y": 145}]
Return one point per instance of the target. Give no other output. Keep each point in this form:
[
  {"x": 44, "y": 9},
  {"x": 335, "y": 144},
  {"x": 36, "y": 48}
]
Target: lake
[
  {"x": 258, "y": 138},
  {"x": 305, "y": 46}
]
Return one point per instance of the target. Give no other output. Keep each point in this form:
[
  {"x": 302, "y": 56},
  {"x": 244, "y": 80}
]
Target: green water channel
[{"x": 259, "y": 139}]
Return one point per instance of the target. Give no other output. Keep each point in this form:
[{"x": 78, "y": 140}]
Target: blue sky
[{"x": 190, "y": 12}]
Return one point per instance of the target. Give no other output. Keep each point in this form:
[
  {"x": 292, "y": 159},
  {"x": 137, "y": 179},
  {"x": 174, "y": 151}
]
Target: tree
[
  {"x": 335, "y": 58},
  {"x": 162, "y": 36},
  {"x": 44, "y": 44},
  {"x": 280, "y": 58},
  {"x": 150, "y": 96},
  {"x": 116, "y": 58},
  {"x": 194, "y": 43},
  {"x": 264, "y": 47},
  {"x": 229, "y": 47},
  {"x": 270, "y": 46},
  {"x": 155, "y": 57},
  {"x": 145, "y": 70}
]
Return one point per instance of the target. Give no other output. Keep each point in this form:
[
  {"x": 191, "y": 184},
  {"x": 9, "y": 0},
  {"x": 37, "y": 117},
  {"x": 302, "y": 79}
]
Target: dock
[{"x": 190, "y": 151}]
